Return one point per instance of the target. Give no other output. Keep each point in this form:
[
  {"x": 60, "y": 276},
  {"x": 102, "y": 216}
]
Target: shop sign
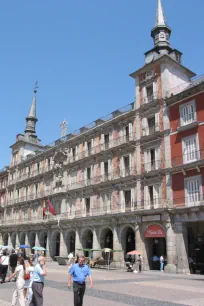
[{"x": 155, "y": 231}]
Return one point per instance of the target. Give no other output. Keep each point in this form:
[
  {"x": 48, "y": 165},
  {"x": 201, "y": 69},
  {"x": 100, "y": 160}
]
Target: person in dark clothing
[
  {"x": 140, "y": 262},
  {"x": 13, "y": 261}
]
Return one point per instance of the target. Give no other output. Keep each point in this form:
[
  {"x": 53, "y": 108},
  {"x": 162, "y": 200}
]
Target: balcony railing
[
  {"x": 193, "y": 199},
  {"x": 150, "y": 98},
  {"x": 153, "y": 165},
  {"x": 118, "y": 208},
  {"x": 102, "y": 147},
  {"x": 111, "y": 176},
  {"x": 188, "y": 158},
  {"x": 30, "y": 174},
  {"x": 150, "y": 130}
]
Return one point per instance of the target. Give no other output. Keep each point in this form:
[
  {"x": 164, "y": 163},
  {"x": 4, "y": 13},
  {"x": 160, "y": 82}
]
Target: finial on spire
[
  {"x": 160, "y": 20},
  {"x": 36, "y": 87}
]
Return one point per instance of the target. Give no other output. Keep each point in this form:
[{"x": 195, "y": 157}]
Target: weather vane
[
  {"x": 63, "y": 127},
  {"x": 36, "y": 86}
]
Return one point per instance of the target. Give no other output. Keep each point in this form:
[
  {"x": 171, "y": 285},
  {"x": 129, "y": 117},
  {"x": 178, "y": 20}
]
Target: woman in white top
[
  {"x": 28, "y": 283},
  {"x": 20, "y": 282},
  {"x": 4, "y": 266}
]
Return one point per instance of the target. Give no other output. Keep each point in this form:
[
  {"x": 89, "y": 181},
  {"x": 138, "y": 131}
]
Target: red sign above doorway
[{"x": 155, "y": 231}]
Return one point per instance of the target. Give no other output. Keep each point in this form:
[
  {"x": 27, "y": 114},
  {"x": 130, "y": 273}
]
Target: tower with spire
[
  {"x": 31, "y": 121},
  {"x": 27, "y": 143},
  {"x": 161, "y": 36}
]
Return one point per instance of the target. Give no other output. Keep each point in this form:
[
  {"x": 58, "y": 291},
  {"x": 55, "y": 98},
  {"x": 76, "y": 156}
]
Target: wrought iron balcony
[
  {"x": 102, "y": 147},
  {"x": 193, "y": 199},
  {"x": 153, "y": 165},
  {"x": 150, "y": 130},
  {"x": 128, "y": 207},
  {"x": 189, "y": 158},
  {"x": 150, "y": 98}
]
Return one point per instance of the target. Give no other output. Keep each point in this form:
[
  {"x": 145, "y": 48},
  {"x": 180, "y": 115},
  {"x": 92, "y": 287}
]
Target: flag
[{"x": 51, "y": 208}]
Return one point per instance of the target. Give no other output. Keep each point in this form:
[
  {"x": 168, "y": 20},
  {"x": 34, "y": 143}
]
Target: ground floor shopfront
[{"x": 160, "y": 234}]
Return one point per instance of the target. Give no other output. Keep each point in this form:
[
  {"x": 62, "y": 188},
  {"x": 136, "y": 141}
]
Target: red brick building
[{"x": 186, "y": 115}]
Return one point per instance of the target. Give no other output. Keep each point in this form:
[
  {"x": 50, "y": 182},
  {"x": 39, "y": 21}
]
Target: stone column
[
  {"x": 182, "y": 248},
  {"x": 96, "y": 244},
  {"x": 78, "y": 244},
  {"x": 140, "y": 245},
  {"x": 48, "y": 245},
  {"x": 9, "y": 240},
  {"x": 171, "y": 249},
  {"x": 17, "y": 239},
  {"x": 1, "y": 239},
  {"x": 117, "y": 245},
  {"x": 63, "y": 248},
  {"x": 37, "y": 243}
]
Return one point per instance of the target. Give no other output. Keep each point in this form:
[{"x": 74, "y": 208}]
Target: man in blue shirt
[{"x": 79, "y": 272}]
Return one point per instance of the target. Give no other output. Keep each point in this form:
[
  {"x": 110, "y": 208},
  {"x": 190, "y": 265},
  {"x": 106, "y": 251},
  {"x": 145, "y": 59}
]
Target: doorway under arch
[
  {"x": 128, "y": 240},
  {"x": 87, "y": 241},
  {"x": 70, "y": 242},
  {"x": 56, "y": 244}
]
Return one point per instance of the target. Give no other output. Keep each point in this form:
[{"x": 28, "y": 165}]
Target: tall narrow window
[
  {"x": 88, "y": 206},
  {"x": 127, "y": 132},
  {"x": 190, "y": 149},
  {"x": 106, "y": 140},
  {"x": 126, "y": 165},
  {"x": 151, "y": 195},
  {"x": 151, "y": 125},
  {"x": 193, "y": 189},
  {"x": 187, "y": 113},
  {"x": 149, "y": 91},
  {"x": 74, "y": 153},
  {"x": 152, "y": 157},
  {"x": 89, "y": 147},
  {"x": 127, "y": 195},
  {"x": 106, "y": 170}
]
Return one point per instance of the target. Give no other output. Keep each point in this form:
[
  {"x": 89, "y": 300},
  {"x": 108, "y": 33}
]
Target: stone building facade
[{"x": 110, "y": 182}]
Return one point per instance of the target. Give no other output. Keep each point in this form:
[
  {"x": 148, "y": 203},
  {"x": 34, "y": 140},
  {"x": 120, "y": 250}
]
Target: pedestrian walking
[
  {"x": 19, "y": 274},
  {"x": 79, "y": 272},
  {"x": 28, "y": 280},
  {"x": 39, "y": 273},
  {"x": 13, "y": 259},
  {"x": 161, "y": 259},
  {"x": 139, "y": 263},
  {"x": 4, "y": 265}
]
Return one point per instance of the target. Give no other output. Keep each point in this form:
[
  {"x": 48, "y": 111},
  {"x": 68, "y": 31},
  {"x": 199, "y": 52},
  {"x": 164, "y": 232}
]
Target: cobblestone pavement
[{"x": 119, "y": 288}]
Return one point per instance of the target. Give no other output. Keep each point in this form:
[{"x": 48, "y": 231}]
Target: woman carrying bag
[
  {"x": 20, "y": 282},
  {"x": 28, "y": 283}
]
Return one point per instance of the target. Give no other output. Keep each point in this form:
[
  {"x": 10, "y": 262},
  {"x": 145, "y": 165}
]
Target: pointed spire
[
  {"x": 32, "y": 112},
  {"x": 160, "y": 20},
  {"x": 31, "y": 119}
]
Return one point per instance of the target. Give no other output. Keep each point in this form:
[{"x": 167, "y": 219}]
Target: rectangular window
[
  {"x": 88, "y": 176},
  {"x": 106, "y": 140},
  {"x": 88, "y": 205},
  {"x": 106, "y": 170},
  {"x": 187, "y": 113},
  {"x": 193, "y": 189},
  {"x": 190, "y": 149},
  {"x": 74, "y": 153},
  {"x": 127, "y": 134},
  {"x": 151, "y": 125},
  {"x": 127, "y": 195},
  {"x": 89, "y": 147},
  {"x": 150, "y": 93}
]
